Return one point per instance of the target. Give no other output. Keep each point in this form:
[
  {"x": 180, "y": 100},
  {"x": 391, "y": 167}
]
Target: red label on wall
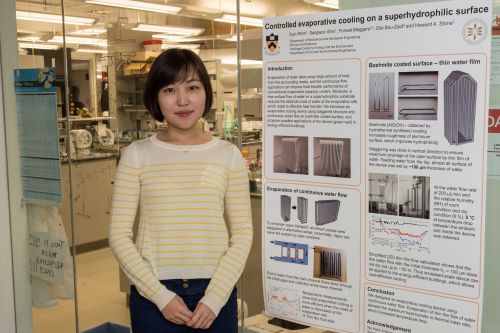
[
  {"x": 495, "y": 29},
  {"x": 494, "y": 121}
]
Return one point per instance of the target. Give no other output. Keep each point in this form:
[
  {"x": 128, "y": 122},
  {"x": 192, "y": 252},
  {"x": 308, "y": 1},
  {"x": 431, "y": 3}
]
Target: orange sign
[
  {"x": 494, "y": 121},
  {"x": 495, "y": 27}
]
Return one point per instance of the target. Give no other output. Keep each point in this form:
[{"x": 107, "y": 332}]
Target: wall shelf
[{"x": 85, "y": 119}]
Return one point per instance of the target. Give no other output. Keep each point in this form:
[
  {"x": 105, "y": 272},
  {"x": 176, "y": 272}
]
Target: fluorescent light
[
  {"x": 80, "y": 40},
  {"x": 182, "y": 39},
  {"x": 39, "y": 46},
  {"x": 88, "y": 32},
  {"x": 326, "y": 3},
  {"x": 139, "y": 5},
  {"x": 167, "y": 36},
  {"x": 96, "y": 51},
  {"x": 169, "y": 29},
  {"x": 228, "y": 18},
  {"x": 53, "y": 18},
  {"x": 191, "y": 39}
]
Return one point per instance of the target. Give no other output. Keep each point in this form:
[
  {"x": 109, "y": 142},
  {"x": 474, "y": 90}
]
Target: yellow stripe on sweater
[
  {"x": 182, "y": 195},
  {"x": 186, "y": 230},
  {"x": 204, "y": 170},
  {"x": 186, "y": 265},
  {"x": 182, "y": 189},
  {"x": 184, "y": 251},
  {"x": 121, "y": 172},
  {"x": 185, "y": 163},
  {"x": 117, "y": 180}
]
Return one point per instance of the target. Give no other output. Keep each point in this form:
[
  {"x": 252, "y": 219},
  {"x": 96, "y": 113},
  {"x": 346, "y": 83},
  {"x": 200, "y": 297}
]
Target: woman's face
[{"x": 182, "y": 103}]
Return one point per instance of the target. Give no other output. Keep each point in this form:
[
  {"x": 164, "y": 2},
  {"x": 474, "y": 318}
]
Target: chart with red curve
[{"x": 400, "y": 234}]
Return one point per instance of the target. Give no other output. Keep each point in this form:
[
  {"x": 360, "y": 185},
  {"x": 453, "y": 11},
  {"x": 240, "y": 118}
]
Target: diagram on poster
[
  {"x": 403, "y": 236},
  {"x": 284, "y": 301},
  {"x": 374, "y": 168}
]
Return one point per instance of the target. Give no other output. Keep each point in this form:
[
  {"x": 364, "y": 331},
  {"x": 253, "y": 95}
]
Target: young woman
[{"x": 184, "y": 264}]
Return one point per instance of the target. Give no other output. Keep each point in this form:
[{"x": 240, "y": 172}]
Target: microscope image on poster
[
  {"x": 286, "y": 208},
  {"x": 418, "y": 95},
  {"x": 381, "y": 96},
  {"x": 460, "y": 94},
  {"x": 325, "y": 211},
  {"x": 400, "y": 195},
  {"x": 418, "y": 83},
  {"x": 290, "y": 155},
  {"x": 383, "y": 193},
  {"x": 332, "y": 157},
  {"x": 414, "y": 196},
  {"x": 330, "y": 264}
]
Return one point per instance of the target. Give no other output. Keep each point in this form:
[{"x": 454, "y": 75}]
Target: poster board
[
  {"x": 375, "y": 167},
  {"x": 38, "y": 135}
]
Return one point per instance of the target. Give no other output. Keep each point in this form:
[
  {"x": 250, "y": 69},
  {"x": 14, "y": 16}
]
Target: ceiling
[{"x": 194, "y": 13}]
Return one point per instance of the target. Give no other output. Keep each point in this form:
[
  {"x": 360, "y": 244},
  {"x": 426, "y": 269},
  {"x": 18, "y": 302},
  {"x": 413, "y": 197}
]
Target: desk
[{"x": 258, "y": 323}]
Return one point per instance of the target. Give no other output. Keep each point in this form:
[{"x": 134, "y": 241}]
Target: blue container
[{"x": 108, "y": 328}]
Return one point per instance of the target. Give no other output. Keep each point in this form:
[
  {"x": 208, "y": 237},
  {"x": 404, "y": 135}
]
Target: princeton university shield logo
[{"x": 272, "y": 42}]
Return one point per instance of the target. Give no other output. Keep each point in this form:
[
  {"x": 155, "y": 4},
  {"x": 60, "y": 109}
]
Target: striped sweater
[{"x": 183, "y": 194}]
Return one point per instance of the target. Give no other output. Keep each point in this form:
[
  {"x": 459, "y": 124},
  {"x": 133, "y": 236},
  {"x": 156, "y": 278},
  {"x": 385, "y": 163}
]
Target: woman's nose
[{"x": 182, "y": 97}]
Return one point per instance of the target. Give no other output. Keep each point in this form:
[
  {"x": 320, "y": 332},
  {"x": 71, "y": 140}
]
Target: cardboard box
[
  {"x": 136, "y": 68},
  {"x": 145, "y": 56}
]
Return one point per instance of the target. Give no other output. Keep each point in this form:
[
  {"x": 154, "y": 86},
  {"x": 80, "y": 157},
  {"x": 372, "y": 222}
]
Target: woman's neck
[{"x": 193, "y": 137}]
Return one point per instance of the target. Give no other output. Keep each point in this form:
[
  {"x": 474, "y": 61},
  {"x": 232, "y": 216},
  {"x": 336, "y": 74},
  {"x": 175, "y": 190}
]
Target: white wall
[
  {"x": 7, "y": 317},
  {"x": 16, "y": 211}
]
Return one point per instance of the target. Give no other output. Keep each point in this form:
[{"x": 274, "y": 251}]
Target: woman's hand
[
  {"x": 202, "y": 318},
  {"x": 177, "y": 312}
]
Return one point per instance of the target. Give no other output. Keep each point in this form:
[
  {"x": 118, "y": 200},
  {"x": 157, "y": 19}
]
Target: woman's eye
[
  {"x": 194, "y": 87},
  {"x": 168, "y": 90}
]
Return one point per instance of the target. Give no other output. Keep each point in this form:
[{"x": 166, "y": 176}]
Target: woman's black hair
[{"x": 174, "y": 65}]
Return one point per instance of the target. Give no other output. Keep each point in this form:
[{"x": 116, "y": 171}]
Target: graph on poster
[
  {"x": 403, "y": 235},
  {"x": 283, "y": 301}
]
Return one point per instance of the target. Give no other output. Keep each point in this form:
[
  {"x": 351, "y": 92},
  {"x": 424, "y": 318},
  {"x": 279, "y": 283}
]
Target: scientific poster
[{"x": 375, "y": 167}]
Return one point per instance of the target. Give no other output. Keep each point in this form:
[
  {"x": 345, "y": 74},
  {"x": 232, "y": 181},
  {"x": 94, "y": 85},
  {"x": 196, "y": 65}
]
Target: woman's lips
[{"x": 184, "y": 114}]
